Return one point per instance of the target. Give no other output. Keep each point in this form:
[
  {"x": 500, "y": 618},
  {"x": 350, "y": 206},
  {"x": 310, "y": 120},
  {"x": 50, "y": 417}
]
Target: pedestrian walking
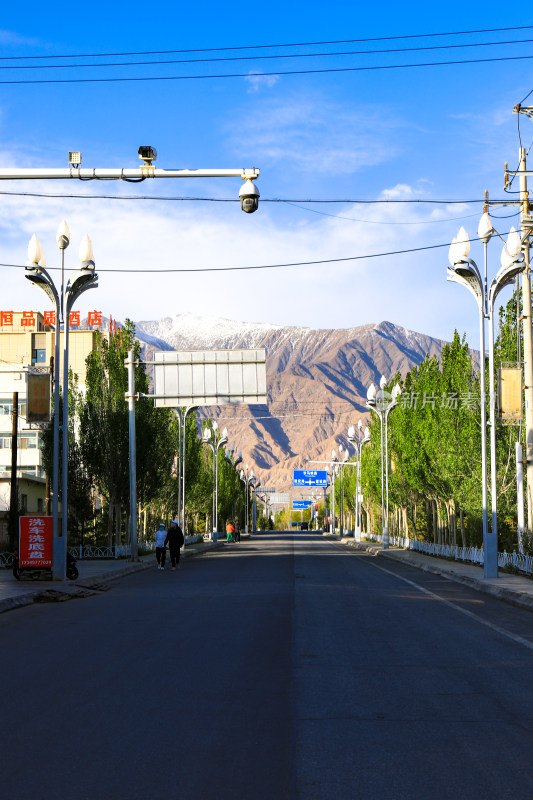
[
  {"x": 230, "y": 529},
  {"x": 237, "y": 528},
  {"x": 175, "y": 541},
  {"x": 160, "y": 548}
]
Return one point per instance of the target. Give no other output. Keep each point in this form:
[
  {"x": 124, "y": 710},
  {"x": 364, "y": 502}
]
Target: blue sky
[{"x": 429, "y": 133}]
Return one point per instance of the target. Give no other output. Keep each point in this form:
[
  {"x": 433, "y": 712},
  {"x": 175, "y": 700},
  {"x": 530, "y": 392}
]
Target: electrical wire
[
  {"x": 388, "y": 222},
  {"x": 332, "y": 70},
  {"x": 195, "y": 270},
  {"x": 266, "y": 57},
  {"x": 265, "y": 46},
  {"x": 276, "y": 200},
  {"x": 353, "y": 201},
  {"x": 525, "y": 98}
]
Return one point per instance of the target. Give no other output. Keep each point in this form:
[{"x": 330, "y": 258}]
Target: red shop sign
[{"x": 36, "y": 541}]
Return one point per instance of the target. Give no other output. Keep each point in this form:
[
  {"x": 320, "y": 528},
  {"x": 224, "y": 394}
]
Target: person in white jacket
[{"x": 160, "y": 549}]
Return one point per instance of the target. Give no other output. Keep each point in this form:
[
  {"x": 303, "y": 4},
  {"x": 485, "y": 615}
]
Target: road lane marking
[{"x": 496, "y": 628}]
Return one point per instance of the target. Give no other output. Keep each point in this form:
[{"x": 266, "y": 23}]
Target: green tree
[{"x": 104, "y": 429}]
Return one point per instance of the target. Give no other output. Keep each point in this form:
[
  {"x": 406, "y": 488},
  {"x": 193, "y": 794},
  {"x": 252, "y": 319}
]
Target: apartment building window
[
  {"x": 6, "y": 407},
  {"x": 24, "y": 502},
  {"x": 40, "y": 505},
  {"x": 28, "y": 440}
]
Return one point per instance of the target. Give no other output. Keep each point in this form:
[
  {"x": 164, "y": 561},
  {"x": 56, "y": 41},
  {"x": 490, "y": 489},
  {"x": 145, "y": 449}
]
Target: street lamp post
[
  {"x": 342, "y": 461},
  {"x": 210, "y": 437},
  {"x": 245, "y": 478},
  {"x": 183, "y": 438},
  {"x": 81, "y": 279},
  {"x": 334, "y": 472},
  {"x": 382, "y": 402},
  {"x": 234, "y": 462},
  {"x": 466, "y": 272},
  {"x": 255, "y": 483},
  {"x": 358, "y": 440}
]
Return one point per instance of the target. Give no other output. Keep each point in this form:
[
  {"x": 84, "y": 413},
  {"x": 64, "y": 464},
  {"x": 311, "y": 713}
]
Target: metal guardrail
[
  {"x": 99, "y": 551},
  {"x": 92, "y": 552},
  {"x": 473, "y": 555},
  {"x": 6, "y": 560}
]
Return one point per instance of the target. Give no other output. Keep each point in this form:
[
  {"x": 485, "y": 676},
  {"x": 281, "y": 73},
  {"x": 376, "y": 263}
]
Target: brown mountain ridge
[{"x": 317, "y": 381}]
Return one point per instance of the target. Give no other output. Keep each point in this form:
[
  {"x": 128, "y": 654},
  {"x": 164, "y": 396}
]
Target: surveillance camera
[
  {"x": 148, "y": 154},
  {"x": 249, "y": 195}
]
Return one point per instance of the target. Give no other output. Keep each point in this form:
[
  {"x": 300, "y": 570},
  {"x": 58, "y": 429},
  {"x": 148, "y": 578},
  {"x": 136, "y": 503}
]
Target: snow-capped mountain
[{"x": 316, "y": 382}]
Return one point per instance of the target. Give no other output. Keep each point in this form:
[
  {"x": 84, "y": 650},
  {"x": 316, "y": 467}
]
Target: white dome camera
[{"x": 249, "y": 196}]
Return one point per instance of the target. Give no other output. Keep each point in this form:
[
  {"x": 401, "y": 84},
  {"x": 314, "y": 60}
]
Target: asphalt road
[{"x": 282, "y": 667}]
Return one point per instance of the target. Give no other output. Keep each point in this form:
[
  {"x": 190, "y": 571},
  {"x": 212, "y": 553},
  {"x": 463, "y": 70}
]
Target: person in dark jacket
[{"x": 175, "y": 542}]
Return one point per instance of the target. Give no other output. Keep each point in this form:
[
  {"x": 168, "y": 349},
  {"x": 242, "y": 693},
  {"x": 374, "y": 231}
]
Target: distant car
[{"x": 304, "y": 526}]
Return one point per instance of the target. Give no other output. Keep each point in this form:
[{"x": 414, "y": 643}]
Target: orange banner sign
[{"x": 29, "y": 319}]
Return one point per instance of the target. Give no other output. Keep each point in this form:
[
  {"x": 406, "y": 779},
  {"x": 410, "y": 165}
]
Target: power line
[
  {"x": 346, "y": 200},
  {"x": 146, "y": 78},
  {"x": 194, "y": 270},
  {"x": 295, "y": 204},
  {"x": 266, "y": 46},
  {"x": 266, "y": 57},
  {"x": 389, "y": 222}
]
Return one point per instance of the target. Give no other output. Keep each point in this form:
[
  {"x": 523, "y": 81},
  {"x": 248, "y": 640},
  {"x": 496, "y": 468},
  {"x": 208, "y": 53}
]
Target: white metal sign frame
[{"x": 209, "y": 377}]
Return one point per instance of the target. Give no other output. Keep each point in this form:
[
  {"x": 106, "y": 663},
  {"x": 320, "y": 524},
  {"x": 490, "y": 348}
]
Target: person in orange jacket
[{"x": 230, "y": 529}]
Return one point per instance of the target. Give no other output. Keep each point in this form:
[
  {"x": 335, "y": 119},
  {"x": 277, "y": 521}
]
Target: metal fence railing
[
  {"x": 473, "y": 555},
  {"x": 6, "y": 560},
  {"x": 90, "y": 552}
]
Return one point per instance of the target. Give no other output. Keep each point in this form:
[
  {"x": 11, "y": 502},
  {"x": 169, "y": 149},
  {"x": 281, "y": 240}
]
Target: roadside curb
[
  {"x": 511, "y": 596},
  {"x": 128, "y": 568},
  {"x": 10, "y": 603}
]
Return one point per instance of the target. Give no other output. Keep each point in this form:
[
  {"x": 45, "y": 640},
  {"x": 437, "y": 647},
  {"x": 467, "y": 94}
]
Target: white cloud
[
  {"x": 156, "y": 236},
  {"x": 318, "y": 135},
  {"x": 257, "y": 80},
  {"x": 10, "y": 38},
  {"x": 400, "y": 191}
]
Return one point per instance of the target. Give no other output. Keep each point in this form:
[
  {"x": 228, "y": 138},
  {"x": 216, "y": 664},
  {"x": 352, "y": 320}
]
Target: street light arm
[
  {"x": 465, "y": 265},
  {"x": 8, "y": 174},
  {"x": 40, "y": 277},
  {"x": 472, "y": 284},
  {"x": 79, "y": 282},
  {"x": 503, "y": 278}
]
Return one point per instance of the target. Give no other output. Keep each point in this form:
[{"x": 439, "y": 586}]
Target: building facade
[{"x": 27, "y": 345}]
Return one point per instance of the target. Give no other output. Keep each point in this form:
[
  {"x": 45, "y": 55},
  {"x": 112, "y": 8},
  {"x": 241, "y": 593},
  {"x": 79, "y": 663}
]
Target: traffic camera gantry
[{"x": 248, "y": 194}]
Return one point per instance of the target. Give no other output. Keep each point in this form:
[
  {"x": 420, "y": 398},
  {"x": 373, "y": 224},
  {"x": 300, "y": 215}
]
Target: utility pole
[
  {"x": 527, "y": 334},
  {"x": 526, "y": 228},
  {"x": 13, "y": 500}
]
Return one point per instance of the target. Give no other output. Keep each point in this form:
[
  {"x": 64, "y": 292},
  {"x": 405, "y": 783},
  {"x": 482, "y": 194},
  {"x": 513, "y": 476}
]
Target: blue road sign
[
  {"x": 310, "y": 477},
  {"x": 301, "y": 504}
]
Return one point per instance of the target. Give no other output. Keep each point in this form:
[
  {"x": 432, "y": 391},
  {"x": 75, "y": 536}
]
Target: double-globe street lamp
[
  {"x": 340, "y": 462},
  {"x": 247, "y": 480},
  {"x": 255, "y": 483},
  {"x": 81, "y": 279},
  {"x": 234, "y": 461},
  {"x": 334, "y": 473},
  {"x": 182, "y": 415},
  {"x": 381, "y": 403},
  {"x": 466, "y": 272},
  {"x": 358, "y": 437},
  {"x": 210, "y": 437}
]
